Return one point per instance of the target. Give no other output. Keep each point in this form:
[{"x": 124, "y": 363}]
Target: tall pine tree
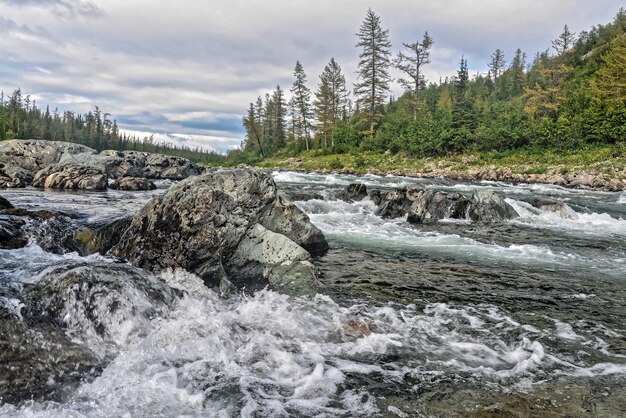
[
  {"x": 331, "y": 100},
  {"x": 302, "y": 99},
  {"x": 373, "y": 73}
]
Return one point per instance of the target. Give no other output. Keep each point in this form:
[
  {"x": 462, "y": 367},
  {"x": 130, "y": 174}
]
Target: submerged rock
[
  {"x": 69, "y": 322},
  {"x": 39, "y": 361},
  {"x": 11, "y": 232},
  {"x": 5, "y": 204},
  {"x": 133, "y": 183},
  {"x": 71, "y": 176},
  {"x": 100, "y": 238},
  {"x": 199, "y": 223},
  {"x": 51, "y": 230},
  {"x": 354, "y": 192},
  {"x": 545, "y": 203},
  {"x": 488, "y": 206}
]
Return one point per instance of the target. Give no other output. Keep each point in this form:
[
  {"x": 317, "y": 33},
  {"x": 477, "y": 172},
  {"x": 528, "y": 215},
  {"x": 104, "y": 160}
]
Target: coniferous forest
[
  {"x": 21, "y": 118},
  {"x": 571, "y": 95}
]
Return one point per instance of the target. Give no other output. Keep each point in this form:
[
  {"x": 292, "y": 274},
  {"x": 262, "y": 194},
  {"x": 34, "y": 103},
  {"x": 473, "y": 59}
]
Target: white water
[
  {"x": 601, "y": 224},
  {"x": 269, "y": 355},
  {"x": 356, "y": 223}
]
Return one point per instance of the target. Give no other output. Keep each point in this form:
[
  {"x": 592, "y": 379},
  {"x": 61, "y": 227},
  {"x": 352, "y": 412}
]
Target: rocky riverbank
[
  {"x": 63, "y": 165},
  {"x": 600, "y": 175}
]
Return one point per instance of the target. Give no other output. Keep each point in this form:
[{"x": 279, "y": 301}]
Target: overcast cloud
[{"x": 187, "y": 69}]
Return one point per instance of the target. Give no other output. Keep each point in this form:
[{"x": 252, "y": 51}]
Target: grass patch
[{"x": 607, "y": 159}]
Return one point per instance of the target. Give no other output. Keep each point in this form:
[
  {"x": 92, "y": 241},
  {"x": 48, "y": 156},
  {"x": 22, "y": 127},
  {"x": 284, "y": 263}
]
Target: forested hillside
[
  {"x": 21, "y": 118},
  {"x": 570, "y": 96}
]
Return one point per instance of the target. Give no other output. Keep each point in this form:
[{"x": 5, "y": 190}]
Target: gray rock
[
  {"x": 285, "y": 218},
  {"x": 12, "y": 176},
  {"x": 100, "y": 296},
  {"x": 545, "y": 203},
  {"x": 159, "y": 166},
  {"x": 394, "y": 205},
  {"x": 376, "y": 197},
  {"x": 280, "y": 261},
  {"x": 458, "y": 205},
  {"x": 33, "y": 155},
  {"x": 11, "y": 232},
  {"x": 488, "y": 206},
  {"x": 431, "y": 206},
  {"x": 298, "y": 194},
  {"x": 354, "y": 192},
  {"x": 71, "y": 176},
  {"x": 52, "y": 231},
  {"x": 133, "y": 183},
  {"x": 5, "y": 204},
  {"x": 32, "y": 355},
  {"x": 199, "y": 223}
]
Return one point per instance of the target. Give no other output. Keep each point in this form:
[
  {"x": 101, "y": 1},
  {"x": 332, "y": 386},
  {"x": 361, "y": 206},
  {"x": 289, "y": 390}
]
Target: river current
[{"x": 521, "y": 319}]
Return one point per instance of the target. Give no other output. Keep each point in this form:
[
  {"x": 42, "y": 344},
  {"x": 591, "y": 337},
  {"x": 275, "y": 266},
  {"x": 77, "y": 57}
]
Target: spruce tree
[
  {"x": 302, "y": 98},
  {"x": 373, "y": 73},
  {"x": 331, "y": 100}
]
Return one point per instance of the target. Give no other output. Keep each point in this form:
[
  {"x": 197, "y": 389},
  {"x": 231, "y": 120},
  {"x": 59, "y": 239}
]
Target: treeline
[
  {"x": 569, "y": 95},
  {"x": 20, "y": 118}
]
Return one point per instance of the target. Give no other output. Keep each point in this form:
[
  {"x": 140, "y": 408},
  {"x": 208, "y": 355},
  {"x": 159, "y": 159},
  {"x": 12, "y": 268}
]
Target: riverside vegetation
[{"x": 563, "y": 112}]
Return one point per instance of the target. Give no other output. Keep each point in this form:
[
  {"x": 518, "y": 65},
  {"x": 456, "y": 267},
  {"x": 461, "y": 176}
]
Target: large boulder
[
  {"x": 159, "y": 166},
  {"x": 432, "y": 206},
  {"x": 199, "y": 223},
  {"x": 133, "y": 183},
  {"x": 32, "y": 155},
  {"x": 354, "y": 192},
  {"x": 71, "y": 176},
  {"x": 488, "y": 206}
]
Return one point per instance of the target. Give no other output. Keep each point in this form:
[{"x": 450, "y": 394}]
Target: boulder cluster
[
  {"x": 422, "y": 206},
  {"x": 63, "y": 165},
  {"x": 229, "y": 227}
]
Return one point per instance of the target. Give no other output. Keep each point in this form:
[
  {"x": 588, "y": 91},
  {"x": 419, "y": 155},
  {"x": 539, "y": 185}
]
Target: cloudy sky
[{"x": 186, "y": 69}]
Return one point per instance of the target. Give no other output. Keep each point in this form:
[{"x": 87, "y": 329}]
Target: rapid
[{"x": 522, "y": 318}]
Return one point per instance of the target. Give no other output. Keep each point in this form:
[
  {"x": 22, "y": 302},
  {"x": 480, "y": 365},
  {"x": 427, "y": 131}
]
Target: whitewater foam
[{"x": 568, "y": 219}]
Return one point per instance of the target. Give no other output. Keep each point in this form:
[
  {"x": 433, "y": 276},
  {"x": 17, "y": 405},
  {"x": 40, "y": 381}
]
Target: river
[{"x": 523, "y": 318}]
